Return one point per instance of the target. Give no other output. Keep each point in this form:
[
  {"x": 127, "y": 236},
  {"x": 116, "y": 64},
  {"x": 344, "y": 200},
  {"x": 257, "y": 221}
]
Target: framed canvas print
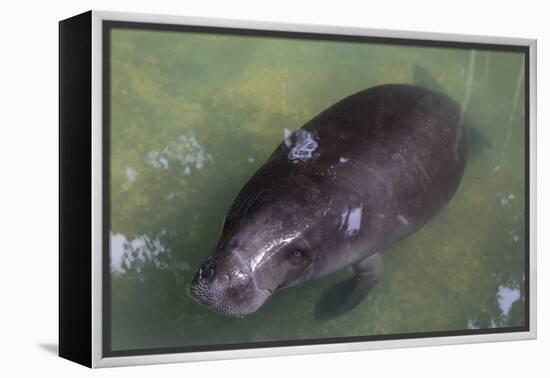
[{"x": 232, "y": 189}]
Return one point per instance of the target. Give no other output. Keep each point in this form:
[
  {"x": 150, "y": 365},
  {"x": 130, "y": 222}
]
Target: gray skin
[{"x": 363, "y": 174}]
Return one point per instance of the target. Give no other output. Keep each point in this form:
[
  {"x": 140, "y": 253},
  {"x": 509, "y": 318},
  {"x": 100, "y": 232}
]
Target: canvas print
[{"x": 285, "y": 189}]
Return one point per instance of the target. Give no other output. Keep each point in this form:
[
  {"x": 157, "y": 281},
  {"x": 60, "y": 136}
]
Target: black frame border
[
  {"x": 75, "y": 188},
  {"x": 109, "y": 25}
]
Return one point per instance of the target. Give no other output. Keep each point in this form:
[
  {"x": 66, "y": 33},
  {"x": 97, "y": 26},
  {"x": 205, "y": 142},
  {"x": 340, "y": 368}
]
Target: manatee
[{"x": 363, "y": 174}]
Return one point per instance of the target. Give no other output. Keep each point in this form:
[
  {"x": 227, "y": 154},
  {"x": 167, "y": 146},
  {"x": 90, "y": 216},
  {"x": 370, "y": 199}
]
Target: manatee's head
[
  {"x": 226, "y": 283},
  {"x": 260, "y": 250}
]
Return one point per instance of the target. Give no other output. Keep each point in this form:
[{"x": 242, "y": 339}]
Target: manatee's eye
[{"x": 297, "y": 255}]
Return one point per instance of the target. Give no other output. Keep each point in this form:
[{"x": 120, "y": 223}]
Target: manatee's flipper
[
  {"x": 346, "y": 295},
  {"x": 477, "y": 141}
]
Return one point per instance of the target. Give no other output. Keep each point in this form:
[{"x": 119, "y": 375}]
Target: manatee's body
[{"x": 366, "y": 172}]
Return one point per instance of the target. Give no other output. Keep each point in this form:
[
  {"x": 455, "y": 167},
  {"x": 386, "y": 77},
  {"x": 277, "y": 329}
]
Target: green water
[{"x": 194, "y": 116}]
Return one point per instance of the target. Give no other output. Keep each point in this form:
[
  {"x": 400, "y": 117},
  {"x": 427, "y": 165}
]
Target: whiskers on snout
[
  {"x": 226, "y": 285},
  {"x": 201, "y": 293}
]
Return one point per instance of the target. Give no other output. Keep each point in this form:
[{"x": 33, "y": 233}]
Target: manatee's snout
[
  {"x": 226, "y": 284},
  {"x": 224, "y": 273}
]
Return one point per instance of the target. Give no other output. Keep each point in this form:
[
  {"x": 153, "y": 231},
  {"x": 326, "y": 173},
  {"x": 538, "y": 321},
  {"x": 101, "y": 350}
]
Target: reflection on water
[
  {"x": 187, "y": 154},
  {"x": 188, "y": 129},
  {"x": 506, "y": 297},
  {"x": 131, "y": 254}
]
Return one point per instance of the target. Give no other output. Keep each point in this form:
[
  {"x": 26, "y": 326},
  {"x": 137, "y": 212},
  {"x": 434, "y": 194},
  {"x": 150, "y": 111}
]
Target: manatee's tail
[
  {"x": 477, "y": 140},
  {"x": 422, "y": 78}
]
